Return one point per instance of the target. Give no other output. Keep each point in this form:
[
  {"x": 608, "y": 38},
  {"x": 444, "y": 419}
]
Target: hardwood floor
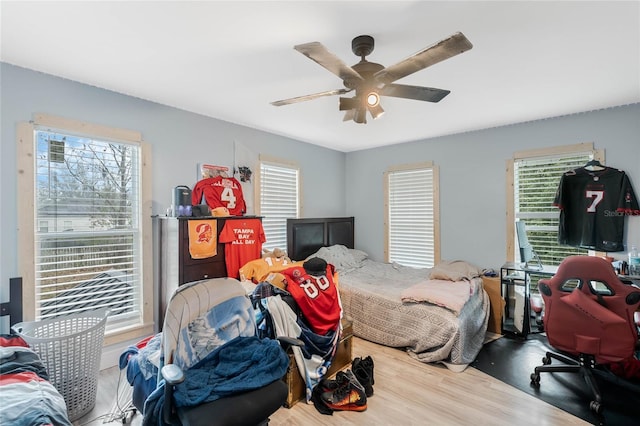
[{"x": 406, "y": 392}]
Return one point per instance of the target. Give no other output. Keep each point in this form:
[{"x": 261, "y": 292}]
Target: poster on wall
[
  {"x": 245, "y": 161},
  {"x": 209, "y": 170},
  {"x": 206, "y": 171}
]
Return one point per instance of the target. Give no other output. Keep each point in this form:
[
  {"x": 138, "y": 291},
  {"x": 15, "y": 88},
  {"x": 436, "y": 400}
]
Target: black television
[{"x": 527, "y": 253}]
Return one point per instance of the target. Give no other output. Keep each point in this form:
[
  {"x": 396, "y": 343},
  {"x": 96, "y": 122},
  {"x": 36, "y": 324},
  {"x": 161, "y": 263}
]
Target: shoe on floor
[
  {"x": 363, "y": 370},
  {"x": 348, "y": 395},
  {"x": 325, "y": 385}
]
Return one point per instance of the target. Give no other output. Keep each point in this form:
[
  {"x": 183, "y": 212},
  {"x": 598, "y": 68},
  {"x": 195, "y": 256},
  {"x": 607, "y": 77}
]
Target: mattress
[{"x": 370, "y": 296}]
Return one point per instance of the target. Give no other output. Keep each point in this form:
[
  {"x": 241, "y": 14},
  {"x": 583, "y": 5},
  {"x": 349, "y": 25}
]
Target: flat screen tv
[{"x": 527, "y": 253}]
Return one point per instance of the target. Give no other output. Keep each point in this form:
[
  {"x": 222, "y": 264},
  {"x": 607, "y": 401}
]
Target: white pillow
[
  {"x": 456, "y": 270},
  {"x": 341, "y": 257},
  {"x": 358, "y": 255}
]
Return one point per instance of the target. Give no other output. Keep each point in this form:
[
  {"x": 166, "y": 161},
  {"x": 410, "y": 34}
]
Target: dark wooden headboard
[{"x": 306, "y": 236}]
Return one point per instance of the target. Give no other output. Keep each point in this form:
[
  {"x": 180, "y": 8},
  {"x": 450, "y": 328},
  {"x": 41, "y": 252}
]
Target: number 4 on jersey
[{"x": 228, "y": 197}]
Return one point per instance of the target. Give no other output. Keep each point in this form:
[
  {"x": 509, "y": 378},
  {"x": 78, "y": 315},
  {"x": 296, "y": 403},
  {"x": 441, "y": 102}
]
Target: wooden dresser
[{"x": 175, "y": 264}]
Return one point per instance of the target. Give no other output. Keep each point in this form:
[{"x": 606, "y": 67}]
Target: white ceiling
[{"x": 229, "y": 60}]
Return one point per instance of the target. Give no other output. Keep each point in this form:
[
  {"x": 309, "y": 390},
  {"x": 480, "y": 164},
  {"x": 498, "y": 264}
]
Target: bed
[
  {"x": 28, "y": 397},
  {"x": 381, "y": 301}
]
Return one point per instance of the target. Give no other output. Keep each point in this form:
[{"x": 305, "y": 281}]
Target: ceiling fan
[{"x": 371, "y": 80}]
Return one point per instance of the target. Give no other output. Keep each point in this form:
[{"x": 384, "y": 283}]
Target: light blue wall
[
  {"x": 472, "y": 165},
  {"x": 179, "y": 140},
  {"x": 473, "y": 178}
]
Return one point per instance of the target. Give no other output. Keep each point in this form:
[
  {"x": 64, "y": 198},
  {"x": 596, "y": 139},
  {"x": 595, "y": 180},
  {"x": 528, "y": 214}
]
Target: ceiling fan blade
[
  {"x": 376, "y": 111},
  {"x": 361, "y": 116},
  {"x": 347, "y": 104},
  {"x": 418, "y": 93},
  {"x": 445, "y": 49},
  {"x": 310, "y": 97},
  {"x": 318, "y": 53},
  {"x": 349, "y": 115}
]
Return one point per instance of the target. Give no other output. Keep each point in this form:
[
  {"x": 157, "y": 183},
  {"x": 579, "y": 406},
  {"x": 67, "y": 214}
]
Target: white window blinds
[
  {"x": 279, "y": 200},
  {"x": 536, "y": 180},
  {"x": 411, "y": 216},
  {"x": 87, "y": 236}
]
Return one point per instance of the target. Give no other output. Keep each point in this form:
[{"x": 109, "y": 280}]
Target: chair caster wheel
[
  {"x": 535, "y": 379},
  {"x": 596, "y": 407},
  {"x": 546, "y": 360}
]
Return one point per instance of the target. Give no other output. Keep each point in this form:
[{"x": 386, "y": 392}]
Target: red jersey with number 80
[
  {"x": 316, "y": 296},
  {"x": 220, "y": 191}
]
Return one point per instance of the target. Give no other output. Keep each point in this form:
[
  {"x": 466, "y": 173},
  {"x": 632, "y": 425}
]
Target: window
[
  {"x": 84, "y": 184},
  {"x": 279, "y": 199},
  {"x": 535, "y": 176},
  {"x": 412, "y": 228}
]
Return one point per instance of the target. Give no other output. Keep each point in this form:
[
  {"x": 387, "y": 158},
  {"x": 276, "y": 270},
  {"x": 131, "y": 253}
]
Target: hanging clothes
[
  {"x": 243, "y": 239},
  {"x": 593, "y": 203},
  {"x": 220, "y": 191}
]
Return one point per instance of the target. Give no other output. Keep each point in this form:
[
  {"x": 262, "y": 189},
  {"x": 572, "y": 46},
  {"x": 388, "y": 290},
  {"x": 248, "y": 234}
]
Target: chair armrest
[
  {"x": 286, "y": 342},
  {"x": 172, "y": 374}
]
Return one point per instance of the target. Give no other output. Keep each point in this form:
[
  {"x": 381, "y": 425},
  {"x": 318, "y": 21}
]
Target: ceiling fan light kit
[
  {"x": 373, "y": 99},
  {"x": 371, "y": 80}
]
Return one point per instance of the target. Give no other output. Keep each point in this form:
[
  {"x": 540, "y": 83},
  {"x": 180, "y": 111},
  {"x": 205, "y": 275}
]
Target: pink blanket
[{"x": 449, "y": 294}]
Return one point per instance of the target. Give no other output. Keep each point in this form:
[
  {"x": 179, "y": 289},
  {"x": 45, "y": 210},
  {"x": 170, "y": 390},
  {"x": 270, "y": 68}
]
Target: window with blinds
[
  {"x": 279, "y": 200},
  {"x": 87, "y": 236},
  {"x": 412, "y": 234},
  {"x": 536, "y": 179}
]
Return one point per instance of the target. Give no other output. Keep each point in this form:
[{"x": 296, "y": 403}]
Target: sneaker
[
  {"x": 329, "y": 385},
  {"x": 349, "y": 394},
  {"x": 325, "y": 385},
  {"x": 363, "y": 370}
]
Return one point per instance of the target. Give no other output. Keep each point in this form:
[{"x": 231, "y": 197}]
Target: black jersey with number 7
[{"x": 593, "y": 206}]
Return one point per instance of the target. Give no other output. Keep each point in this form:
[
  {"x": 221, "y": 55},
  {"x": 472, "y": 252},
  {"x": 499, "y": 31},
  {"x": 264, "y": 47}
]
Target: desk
[{"x": 515, "y": 283}]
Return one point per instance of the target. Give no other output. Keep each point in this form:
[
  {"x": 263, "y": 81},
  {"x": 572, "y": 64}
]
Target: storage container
[
  {"x": 70, "y": 347},
  {"x": 341, "y": 360}
]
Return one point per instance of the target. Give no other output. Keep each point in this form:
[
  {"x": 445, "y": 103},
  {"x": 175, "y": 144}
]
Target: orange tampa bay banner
[{"x": 202, "y": 238}]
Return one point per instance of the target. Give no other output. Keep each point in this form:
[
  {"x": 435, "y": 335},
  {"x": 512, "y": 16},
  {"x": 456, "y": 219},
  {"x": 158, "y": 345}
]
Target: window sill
[{"x": 125, "y": 334}]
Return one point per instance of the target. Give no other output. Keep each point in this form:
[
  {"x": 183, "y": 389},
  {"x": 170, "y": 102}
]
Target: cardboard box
[
  {"x": 492, "y": 287},
  {"x": 342, "y": 359}
]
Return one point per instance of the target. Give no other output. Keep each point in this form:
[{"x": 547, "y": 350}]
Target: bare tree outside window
[{"x": 86, "y": 253}]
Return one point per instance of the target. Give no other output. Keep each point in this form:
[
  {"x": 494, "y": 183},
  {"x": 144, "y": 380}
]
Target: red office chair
[{"x": 589, "y": 316}]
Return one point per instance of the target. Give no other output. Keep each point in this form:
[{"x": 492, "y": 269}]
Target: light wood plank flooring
[{"x": 406, "y": 392}]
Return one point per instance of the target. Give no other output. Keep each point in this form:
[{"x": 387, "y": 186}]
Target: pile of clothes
[
  {"x": 308, "y": 308},
  {"x": 306, "y": 305}
]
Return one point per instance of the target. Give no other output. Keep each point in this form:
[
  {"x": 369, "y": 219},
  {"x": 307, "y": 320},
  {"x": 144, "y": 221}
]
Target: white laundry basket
[{"x": 70, "y": 347}]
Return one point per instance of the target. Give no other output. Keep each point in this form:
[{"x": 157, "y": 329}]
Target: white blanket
[{"x": 448, "y": 294}]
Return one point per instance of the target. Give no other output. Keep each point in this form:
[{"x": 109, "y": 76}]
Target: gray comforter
[{"x": 370, "y": 296}]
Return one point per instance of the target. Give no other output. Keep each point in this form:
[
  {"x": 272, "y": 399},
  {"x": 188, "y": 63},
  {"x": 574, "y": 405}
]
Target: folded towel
[{"x": 203, "y": 241}]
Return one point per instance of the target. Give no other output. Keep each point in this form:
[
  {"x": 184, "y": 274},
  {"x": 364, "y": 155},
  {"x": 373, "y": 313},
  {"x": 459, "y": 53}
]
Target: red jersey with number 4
[
  {"x": 317, "y": 297},
  {"x": 593, "y": 207},
  {"x": 220, "y": 191}
]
